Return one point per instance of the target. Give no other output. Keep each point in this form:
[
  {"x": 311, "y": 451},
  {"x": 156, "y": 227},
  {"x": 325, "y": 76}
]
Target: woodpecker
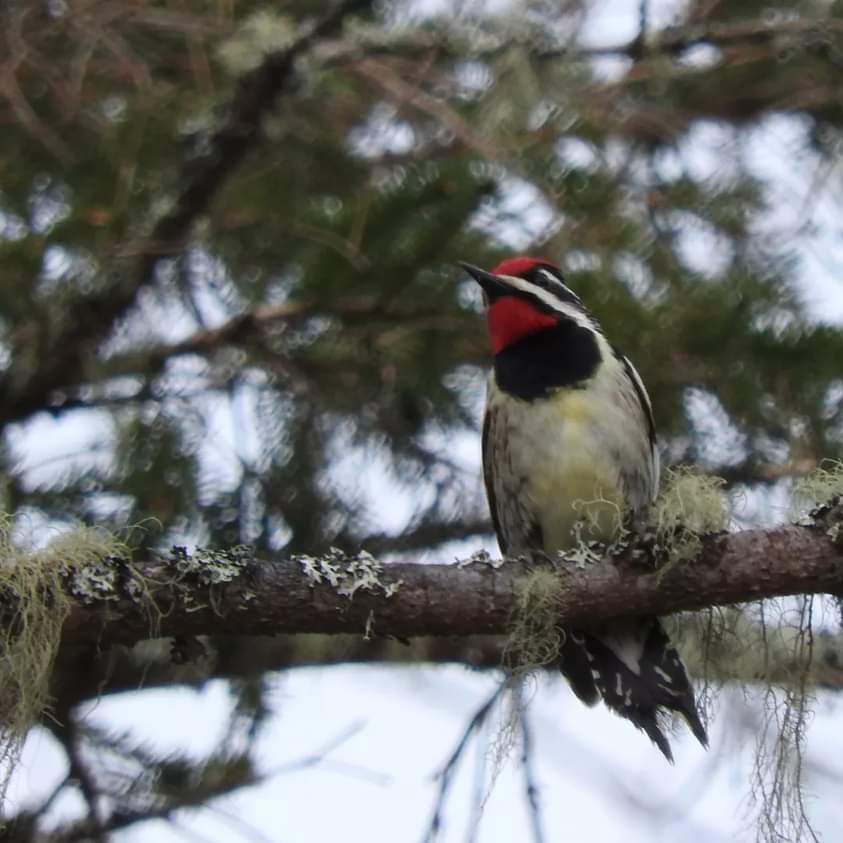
[{"x": 569, "y": 450}]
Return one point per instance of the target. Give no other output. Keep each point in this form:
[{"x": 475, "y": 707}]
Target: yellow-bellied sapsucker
[{"x": 569, "y": 443}]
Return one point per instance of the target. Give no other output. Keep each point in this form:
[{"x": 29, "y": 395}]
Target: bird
[{"x": 569, "y": 443}]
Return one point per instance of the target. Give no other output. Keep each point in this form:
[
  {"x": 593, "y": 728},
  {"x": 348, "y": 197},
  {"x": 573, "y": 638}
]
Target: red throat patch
[{"x": 512, "y": 318}]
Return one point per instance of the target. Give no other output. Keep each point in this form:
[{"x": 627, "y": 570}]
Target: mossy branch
[
  {"x": 230, "y": 593},
  {"x": 83, "y": 593}
]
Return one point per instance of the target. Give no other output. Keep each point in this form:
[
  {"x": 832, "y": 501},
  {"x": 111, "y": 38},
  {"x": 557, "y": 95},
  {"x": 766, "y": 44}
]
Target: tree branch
[
  {"x": 676, "y": 40},
  {"x": 228, "y": 593},
  {"x": 64, "y": 350},
  {"x": 249, "y": 330},
  {"x": 251, "y": 325},
  {"x": 82, "y": 676},
  {"x": 668, "y": 41}
]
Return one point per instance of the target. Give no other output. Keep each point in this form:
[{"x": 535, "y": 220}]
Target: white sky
[{"x": 599, "y": 779}]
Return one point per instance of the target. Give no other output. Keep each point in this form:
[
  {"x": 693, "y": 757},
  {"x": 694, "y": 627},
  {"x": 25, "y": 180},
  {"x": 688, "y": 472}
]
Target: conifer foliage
[{"x": 228, "y": 245}]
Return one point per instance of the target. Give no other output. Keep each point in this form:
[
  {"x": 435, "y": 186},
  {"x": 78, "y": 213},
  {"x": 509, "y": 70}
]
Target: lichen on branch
[
  {"x": 82, "y": 590},
  {"x": 37, "y": 593}
]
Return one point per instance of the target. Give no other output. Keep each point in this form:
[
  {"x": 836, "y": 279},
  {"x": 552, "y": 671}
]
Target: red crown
[{"x": 519, "y": 267}]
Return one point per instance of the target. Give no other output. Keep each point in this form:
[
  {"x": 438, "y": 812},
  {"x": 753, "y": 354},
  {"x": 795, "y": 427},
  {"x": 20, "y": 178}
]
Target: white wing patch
[{"x": 628, "y": 649}]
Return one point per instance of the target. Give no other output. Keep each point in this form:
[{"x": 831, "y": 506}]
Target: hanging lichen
[
  {"x": 534, "y": 636},
  {"x": 35, "y": 601},
  {"x": 689, "y": 506}
]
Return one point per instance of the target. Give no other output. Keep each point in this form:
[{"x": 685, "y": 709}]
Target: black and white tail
[{"x": 633, "y": 666}]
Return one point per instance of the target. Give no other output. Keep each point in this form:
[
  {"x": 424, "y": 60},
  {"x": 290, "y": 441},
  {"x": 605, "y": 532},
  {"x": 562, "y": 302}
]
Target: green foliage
[{"x": 356, "y": 206}]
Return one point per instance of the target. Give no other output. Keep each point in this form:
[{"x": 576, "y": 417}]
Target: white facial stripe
[
  {"x": 569, "y": 311},
  {"x": 554, "y": 280}
]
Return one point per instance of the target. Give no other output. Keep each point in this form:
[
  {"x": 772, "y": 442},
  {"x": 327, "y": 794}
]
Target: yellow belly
[{"x": 569, "y": 474}]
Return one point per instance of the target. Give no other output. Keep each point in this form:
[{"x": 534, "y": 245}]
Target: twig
[
  {"x": 88, "y": 320},
  {"x": 250, "y": 327},
  {"x": 676, "y": 40},
  {"x": 445, "y": 774},
  {"x": 319, "y": 755},
  {"x": 246, "y": 829},
  {"x": 407, "y": 94},
  {"x": 479, "y": 790},
  {"x": 65, "y": 729},
  {"x": 531, "y": 790},
  {"x": 184, "y": 831}
]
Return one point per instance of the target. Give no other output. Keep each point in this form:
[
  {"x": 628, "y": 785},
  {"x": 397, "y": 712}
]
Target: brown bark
[{"x": 270, "y": 597}]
